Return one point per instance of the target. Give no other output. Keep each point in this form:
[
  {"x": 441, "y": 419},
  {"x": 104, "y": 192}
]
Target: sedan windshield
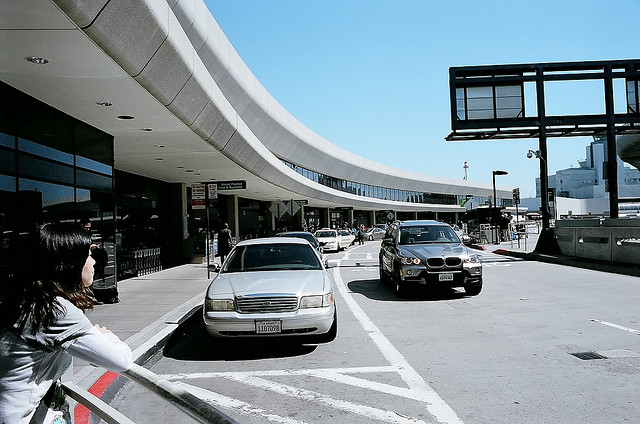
[
  {"x": 272, "y": 257},
  {"x": 326, "y": 234},
  {"x": 428, "y": 234}
]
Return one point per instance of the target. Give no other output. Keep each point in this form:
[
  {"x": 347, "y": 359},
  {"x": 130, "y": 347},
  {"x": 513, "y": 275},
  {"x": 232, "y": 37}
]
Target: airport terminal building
[{"x": 141, "y": 117}]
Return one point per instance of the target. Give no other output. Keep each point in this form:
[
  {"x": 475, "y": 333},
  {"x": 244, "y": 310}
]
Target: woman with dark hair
[{"x": 42, "y": 321}]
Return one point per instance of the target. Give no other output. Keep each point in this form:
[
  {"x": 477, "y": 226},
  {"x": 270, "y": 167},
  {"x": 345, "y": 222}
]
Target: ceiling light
[
  {"x": 188, "y": 170},
  {"x": 126, "y": 117},
  {"x": 158, "y": 159},
  {"x": 180, "y": 167},
  {"x": 146, "y": 129},
  {"x": 37, "y": 60},
  {"x": 105, "y": 103},
  {"x": 159, "y": 146}
]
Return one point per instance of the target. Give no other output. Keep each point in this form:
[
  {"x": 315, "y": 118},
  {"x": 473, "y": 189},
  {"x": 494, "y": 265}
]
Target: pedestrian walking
[{"x": 224, "y": 242}]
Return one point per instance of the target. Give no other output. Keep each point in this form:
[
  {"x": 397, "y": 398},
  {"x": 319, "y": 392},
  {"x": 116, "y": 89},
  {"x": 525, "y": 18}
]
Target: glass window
[
  {"x": 7, "y": 140},
  {"x": 93, "y": 165},
  {"x": 52, "y": 194},
  {"x": 7, "y": 161},
  {"x": 47, "y": 152},
  {"x": 94, "y": 145},
  {"x": 94, "y": 181},
  {"x": 7, "y": 183},
  {"x": 43, "y": 169}
]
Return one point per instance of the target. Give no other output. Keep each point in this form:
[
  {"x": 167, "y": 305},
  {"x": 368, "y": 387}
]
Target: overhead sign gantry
[{"x": 488, "y": 102}]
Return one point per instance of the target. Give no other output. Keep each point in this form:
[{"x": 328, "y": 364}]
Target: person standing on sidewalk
[
  {"x": 42, "y": 321},
  {"x": 224, "y": 242}
]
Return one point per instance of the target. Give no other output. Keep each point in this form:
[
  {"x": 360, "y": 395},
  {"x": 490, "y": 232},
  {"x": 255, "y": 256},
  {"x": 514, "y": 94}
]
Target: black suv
[{"x": 428, "y": 253}]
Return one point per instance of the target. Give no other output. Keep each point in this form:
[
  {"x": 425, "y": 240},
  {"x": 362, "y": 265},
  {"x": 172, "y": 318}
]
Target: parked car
[
  {"x": 272, "y": 287},
  {"x": 374, "y": 233},
  {"x": 428, "y": 253},
  {"x": 303, "y": 235},
  {"x": 346, "y": 238},
  {"x": 328, "y": 239}
]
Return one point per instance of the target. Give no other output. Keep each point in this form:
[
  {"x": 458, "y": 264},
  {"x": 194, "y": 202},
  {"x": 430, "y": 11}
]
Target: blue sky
[{"x": 372, "y": 76}]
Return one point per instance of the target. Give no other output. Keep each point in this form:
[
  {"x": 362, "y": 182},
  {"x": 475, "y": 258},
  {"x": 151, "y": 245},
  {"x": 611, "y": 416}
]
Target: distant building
[
  {"x": 581, "y": 191},
  {"x": 586, "y": 182}
]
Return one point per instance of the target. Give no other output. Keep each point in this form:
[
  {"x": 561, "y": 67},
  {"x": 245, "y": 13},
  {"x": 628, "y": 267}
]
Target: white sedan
[
  {"x": 328, "y": 240},
  {"x": 272, "y": 287},
  {"x": 346, "y": 238}
]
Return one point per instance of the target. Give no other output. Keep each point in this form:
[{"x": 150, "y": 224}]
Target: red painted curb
[{"x": 81, "y": 413}]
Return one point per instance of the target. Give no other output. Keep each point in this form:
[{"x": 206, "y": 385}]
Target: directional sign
[
  {"x": 231, "y": 185},
  {"x": 292, "y": 207},
  {"x": 278, "y": 208},
  {"x": 213, "y": 191},
  {"x": 198, "y": 196}
]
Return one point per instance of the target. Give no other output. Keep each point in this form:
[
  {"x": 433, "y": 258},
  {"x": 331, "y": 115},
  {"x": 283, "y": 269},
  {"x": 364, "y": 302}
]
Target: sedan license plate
[
  {"x": 268, "y": 327},
  {"x": 445, "y": 277}
]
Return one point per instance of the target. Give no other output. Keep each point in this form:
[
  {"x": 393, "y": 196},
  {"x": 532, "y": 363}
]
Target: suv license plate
[
  {"x": 268, "y": 327},
  {"x": 445, "y": 277}
]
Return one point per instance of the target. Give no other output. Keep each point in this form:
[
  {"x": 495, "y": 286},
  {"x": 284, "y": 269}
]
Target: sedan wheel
[{"x": 332, "y": 333}]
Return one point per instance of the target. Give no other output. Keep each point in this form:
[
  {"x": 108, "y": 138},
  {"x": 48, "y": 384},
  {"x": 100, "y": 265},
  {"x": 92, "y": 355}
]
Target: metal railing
[{"x": 185, "y": 401}]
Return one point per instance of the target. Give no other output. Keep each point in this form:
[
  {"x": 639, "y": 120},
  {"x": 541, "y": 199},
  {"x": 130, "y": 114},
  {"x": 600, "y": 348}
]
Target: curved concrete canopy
[
  {"x": 175, "y": 71},
  {"x": 628, "y": 147}
]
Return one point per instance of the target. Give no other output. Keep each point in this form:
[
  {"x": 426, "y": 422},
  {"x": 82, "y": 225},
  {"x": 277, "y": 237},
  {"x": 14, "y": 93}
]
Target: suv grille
[
  {"x": 250, "y": 305},
  {"x": 452, "y": 262},
  {"x": 435, "y": 262}
]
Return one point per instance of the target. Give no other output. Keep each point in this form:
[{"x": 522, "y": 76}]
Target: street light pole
[
  {"x": 546, "y": 242},
  {"x": 495, "y": 200},
  {"x": 494, "y": 173}
]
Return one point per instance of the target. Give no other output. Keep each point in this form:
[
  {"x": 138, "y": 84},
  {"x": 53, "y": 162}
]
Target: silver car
[
  {"x": 272, "y": 287},
  {"x": 430, "y": 254}
]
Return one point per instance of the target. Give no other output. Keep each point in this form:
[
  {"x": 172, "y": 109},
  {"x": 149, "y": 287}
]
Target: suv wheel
[
  {"x": 399, "y": 286},
  {"x": 384, "y": 278},
  {"x": 473, "y": 289}
]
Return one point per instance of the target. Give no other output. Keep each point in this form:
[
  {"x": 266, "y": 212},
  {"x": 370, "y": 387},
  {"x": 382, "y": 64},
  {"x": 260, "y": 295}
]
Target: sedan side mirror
[{"x": 330, "y": 263}]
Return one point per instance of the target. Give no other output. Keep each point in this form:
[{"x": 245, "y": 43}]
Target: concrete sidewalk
[{"x": 151, "y": 307}]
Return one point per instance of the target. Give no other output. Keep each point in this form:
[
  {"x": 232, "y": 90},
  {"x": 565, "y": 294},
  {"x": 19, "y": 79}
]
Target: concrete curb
[{"x": 592, "y": 264}]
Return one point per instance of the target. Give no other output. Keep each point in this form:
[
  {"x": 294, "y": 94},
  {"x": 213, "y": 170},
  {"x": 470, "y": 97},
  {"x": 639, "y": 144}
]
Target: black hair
[{"x": 50, "y": 262}]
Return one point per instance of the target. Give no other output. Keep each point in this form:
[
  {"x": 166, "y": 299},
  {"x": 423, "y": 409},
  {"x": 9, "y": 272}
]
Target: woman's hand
[{"x": 102, "y": 329}]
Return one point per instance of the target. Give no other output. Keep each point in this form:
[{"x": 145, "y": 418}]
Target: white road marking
[
  {"x": 308, "y": 395},
  {"x": 619, "y": 327},
  {"x": 435, "y": 405},
  {"x": 278, "y": 373},
  {"x": 223, "y": 401}
]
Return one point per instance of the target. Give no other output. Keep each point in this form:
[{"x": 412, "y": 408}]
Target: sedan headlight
[
  {"x": 410, "y": 261},
  {"x": 219, "y": 305},
  {"x": 317, "y": 301}
]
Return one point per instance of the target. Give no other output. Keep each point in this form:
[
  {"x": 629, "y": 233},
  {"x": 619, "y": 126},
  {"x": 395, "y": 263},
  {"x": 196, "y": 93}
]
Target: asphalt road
[{"x": 504, "y": 356}]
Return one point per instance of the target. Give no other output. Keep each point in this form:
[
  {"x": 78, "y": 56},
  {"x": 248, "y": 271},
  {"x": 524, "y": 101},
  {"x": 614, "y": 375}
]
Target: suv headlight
[
  {"x": 317, "y": 301},
  {"x": 410, "y": 261},
  {"x": 472, "y": 259},
  {"x": 219, "y": 305}
]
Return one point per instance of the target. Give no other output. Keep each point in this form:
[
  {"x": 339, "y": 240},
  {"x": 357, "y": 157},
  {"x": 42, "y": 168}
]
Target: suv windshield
[
  {"x": 272, "y": 257},
  {"x": 428, "y": 234}
]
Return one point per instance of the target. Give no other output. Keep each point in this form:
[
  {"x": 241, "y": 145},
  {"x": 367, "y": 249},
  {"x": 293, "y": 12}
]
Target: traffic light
[{"x": 516, "y": 195}]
